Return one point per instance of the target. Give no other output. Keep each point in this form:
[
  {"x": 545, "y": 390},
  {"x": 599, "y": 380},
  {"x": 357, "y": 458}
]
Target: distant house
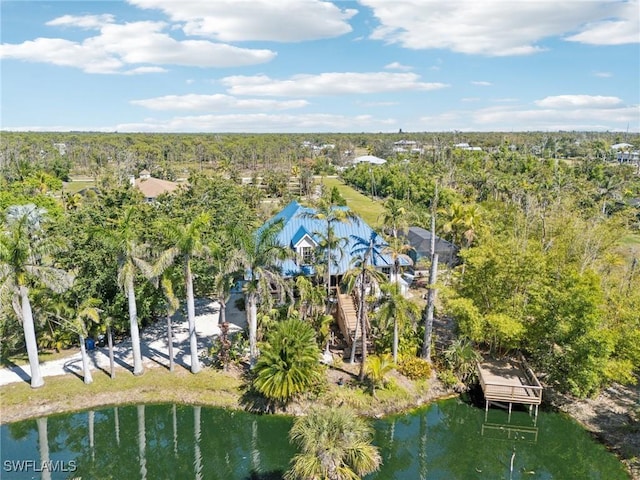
[
  {"x": 370, "y": 159},
  {"x": 302, "y": 234},
  {"x": 466, "y": 146},
  {"x": 152, "y": 187},
  {"x": 420, "y": 241}
]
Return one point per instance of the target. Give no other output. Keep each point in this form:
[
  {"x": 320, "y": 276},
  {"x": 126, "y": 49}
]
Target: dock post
[{"x": 510, "y": 404}]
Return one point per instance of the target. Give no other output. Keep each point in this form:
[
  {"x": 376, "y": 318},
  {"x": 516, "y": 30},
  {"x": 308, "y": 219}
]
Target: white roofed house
[{"x": 370, "y": 159}]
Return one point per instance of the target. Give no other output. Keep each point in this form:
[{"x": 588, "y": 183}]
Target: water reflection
[{"x": 446, "y": 440}]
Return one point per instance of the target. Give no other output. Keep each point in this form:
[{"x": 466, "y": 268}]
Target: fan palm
[{"x": 335, "y": 444}]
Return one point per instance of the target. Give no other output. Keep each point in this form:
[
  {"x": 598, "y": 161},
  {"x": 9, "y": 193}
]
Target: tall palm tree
[
  {"x": 395, "y": 216},
  {"x": 368, "y": 252},
  {"x": 258, "y": 256},
  {"x": 335, "y": 444},
  {"x": 397, "y": 309},
  {"x": 171, "y": 305},
  {"x": 123, "y": 236},
  {"x": 25, "y": 259},
  {"x": 330, "y": 214},
  {"x": 187, "y": 242}
]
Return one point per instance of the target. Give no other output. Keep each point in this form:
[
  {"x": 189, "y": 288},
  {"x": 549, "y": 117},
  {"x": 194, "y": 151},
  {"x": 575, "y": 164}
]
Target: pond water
[{"x": 446, "y": 440}]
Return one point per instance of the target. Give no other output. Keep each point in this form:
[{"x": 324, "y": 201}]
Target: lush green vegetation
[
  {"x": 370, "y": 210},
  {"x": 546, "y": 226}
]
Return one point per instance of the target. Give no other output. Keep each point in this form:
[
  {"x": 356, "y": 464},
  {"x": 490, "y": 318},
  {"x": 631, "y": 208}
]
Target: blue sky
[{"x": 320, "y": 66}]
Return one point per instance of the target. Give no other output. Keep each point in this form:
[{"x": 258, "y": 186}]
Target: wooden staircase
[{"x": 347, "y": 316}]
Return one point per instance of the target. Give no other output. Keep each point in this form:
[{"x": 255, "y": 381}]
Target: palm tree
[
  {"x": 330, "y": 214},
  {"x": 258, "y": 256},
  {"x": 124, "y": 238},
  {"x": 462, "y": 222},
  {"x": 377, "y": 368},
  {"x": 172, "y": 305},
  {"x": 395, "y": 216},
  {"x": 368, "y": 252},
  {"x": 398, "y": 250},
  {"x": 288, "y": 363},
  {"x": 187, "y": 241},
  {"x": 397, "y": 309},
  {"x": 74, "y": 319},
  {"x": 335, "y": 444},
  {"x": 24, "y": 260}
]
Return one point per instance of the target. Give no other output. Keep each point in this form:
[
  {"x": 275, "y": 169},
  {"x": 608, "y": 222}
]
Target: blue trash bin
[{"x": 90, "y": 344}]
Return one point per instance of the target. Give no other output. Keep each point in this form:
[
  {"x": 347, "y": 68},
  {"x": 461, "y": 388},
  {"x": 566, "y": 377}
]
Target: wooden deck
[{"x": 509, "y": 382}]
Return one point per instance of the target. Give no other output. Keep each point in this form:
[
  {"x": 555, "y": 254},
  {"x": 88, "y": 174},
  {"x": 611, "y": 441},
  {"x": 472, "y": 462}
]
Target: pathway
[{"x": 153, "y": 341}]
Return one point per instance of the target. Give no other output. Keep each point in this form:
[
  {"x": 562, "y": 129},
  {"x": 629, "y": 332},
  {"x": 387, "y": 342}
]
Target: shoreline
[{"x": 611, "y": 424}]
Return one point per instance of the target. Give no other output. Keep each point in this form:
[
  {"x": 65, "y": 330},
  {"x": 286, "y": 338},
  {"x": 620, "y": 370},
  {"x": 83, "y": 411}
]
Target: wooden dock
[{"x": 508, "y": 382}]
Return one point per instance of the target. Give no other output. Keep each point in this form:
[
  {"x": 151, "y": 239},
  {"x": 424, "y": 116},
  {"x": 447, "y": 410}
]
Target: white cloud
[
  {"x": 495, "y": 28},
  {"x": 619, "y": 28},
  {"x": 603, "y": 74},
  {"x": 82, "y": 21},
  {"x": 251, "y": 20},
  {"x": 376, "y": 104},
  {"x": 398, "y": 66},
  {"x": 570, "y": 112},
  {"x": 546, "y": 118},
  {"x": 120, "y": 45},
  {"x": 261, "y": 122},
  {"x": 481, "y": 83},
  {"x": 144, "y": 70},
  {"x": 194, "y": 102},
  {"x": 330, "y": 83},
  {"x": 579, "y": 101}
]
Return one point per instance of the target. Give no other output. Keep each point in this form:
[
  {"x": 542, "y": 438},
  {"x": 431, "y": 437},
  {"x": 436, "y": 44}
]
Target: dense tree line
[{"x": 548, "y": 260}]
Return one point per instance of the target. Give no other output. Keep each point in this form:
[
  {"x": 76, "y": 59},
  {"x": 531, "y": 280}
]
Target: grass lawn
[
  {"x": 631, "y": 240},
  {"x": 365, "y": 207},
  {"x": 76, "y": 185}
]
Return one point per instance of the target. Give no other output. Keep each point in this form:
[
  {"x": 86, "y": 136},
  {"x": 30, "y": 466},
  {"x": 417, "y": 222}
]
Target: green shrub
[
  {"x": 448, "y": 378},
  {"x": 415, "y": 368}
]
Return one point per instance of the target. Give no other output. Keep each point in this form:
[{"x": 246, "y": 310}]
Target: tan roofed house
[{"x": 152, "y": 187}]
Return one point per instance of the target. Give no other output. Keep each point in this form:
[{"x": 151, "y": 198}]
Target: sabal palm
[
  {"x": 335, "y": 444},
  {"x": 25, "y": 259},
  {"x": 259, "y": 256},
  {"x": 288, "y": 363},
  {"x": 330, "y": 214},
  {"x": 396, "y": 309},
  {"x": 187, "y": 242}
]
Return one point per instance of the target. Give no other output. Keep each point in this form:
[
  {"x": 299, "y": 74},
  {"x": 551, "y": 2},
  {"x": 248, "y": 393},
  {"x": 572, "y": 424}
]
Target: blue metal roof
[{"x": 297, "y": 222}]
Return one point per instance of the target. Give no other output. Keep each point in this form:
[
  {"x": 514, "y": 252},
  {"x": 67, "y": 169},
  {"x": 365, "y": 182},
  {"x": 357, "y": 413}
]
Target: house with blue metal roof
[{"x": 303, "y": 234}]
